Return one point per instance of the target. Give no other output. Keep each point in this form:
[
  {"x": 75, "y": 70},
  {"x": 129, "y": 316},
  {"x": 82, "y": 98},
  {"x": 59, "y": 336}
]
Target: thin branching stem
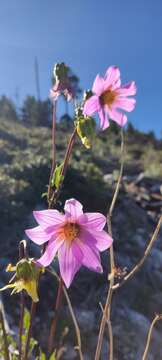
[
  {"x": 55, "y": 319},
  {"x": 6, "y": 345},
  {"x": 29, "y": 334},
  {"x": 76, "y": 326},
  {"x": 106, "y": 316},
  {"x": 149, "y": 336},
  {"x": 146, "y": 253},
  {"x": 22, "y": 254}
]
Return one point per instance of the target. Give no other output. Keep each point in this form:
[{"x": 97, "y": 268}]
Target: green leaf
[
  {"x": 33, "y": 343},
  {"x": 57, "y": 178},
  {"x": 41, "y": 356},
  {"x": 26, "y": 320},
  {"x": 53, "y": 356},
  {"x": 86, "y": 130}
]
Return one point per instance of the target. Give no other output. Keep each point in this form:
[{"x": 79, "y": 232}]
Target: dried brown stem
[
  {"x": 6, "y": 346},
  {"x": 106, "y": 316},
  {"x": 155, "y": 320},
  {"x": 146, "y": 253},
  {"x": 77, "y": 330}
]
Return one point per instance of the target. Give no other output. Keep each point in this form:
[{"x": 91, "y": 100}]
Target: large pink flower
[
  {"x": 77, "y": 237},
  {"x": 109, "y": 97}
]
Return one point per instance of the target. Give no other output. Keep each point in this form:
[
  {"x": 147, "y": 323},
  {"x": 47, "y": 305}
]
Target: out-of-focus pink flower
[
  {"x": 109, "y": 96},
  {"x": 62, "y": 87},
  {"x": 77, "y": 237}
]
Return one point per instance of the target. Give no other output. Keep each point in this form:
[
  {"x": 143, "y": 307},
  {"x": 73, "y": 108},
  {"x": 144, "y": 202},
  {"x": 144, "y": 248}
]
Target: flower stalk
[
  {"x": 76, "y": 326},
  {"x": 55, "y": 319},
  {"x": 54, "y": 197},
  {"x": 107, "y": 309},
  {"x": 155, "y": 320},
  {"x": 22, "y": 254}
]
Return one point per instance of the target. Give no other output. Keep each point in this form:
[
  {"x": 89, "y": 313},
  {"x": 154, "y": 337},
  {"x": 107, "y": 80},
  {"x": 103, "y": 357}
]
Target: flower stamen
[
  {"x": 70, "y": 231},
  {"x": 108, "y": 97}
]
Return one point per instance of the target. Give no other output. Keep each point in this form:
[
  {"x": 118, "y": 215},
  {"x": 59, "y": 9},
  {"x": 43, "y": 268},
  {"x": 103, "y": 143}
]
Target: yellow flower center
[
  {"x": 108, "y": 97},
  {"x": 70, "y": 231}
]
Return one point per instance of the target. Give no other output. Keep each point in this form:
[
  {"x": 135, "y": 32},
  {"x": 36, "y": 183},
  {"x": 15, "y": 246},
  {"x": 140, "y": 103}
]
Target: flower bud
[{"x": 25, "y": 278}]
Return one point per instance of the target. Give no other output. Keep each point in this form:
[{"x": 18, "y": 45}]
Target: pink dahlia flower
[
  {"x": 109, "y": 96},
  {"x": 77, "y": 237}
]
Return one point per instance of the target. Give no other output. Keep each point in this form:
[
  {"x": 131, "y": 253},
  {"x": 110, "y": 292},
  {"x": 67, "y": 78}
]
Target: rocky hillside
[{"x": 25, "y": 166}]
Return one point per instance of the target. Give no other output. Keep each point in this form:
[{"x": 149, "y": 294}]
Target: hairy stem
[
  {"x": 6, "y": 350},
  {"x": 106, "y": 316},
  {"x": 155, "y": 320},
  {"x": 22, "y": 254},
  {"x": 55, "y": 319}
]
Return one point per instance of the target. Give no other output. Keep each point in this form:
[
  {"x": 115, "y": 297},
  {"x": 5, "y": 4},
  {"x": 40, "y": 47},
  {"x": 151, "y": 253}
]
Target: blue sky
[{"x": 89, "y": 35}]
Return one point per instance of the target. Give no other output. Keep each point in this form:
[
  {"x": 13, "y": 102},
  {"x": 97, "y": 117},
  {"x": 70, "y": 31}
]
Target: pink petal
[
  {"x": 91, "y": 106},
  {"x": 99, "y": 239},
  {"x": 70, "y": 260},
  {"x": 94, "y": 221},
  {"x": 127, "y": 104},
  {"x": 91, "y": 256},
  {"x": 50, "y": 252},
  {"x": 38, "y": 235},
  {"x": 129, "y": 89},
  {"x": 112, "y": 77},
  {"x": 118, "y": 117},
  {"x": 116, "y": 85},
  {"x": 49, "y": 218},
  {"x": 104, "y": 122},
  {"x": 98, "y": 85},
  {"x": 73, "y": 209}
]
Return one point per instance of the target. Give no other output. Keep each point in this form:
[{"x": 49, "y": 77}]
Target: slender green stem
[
  {"x": 155, "y": 320},
  {"x": 52, "y": 332},
  {"x": 22, "y": 254},
  {"x": 106, "y": 316},
  {"x": 6, "y": 346}
]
